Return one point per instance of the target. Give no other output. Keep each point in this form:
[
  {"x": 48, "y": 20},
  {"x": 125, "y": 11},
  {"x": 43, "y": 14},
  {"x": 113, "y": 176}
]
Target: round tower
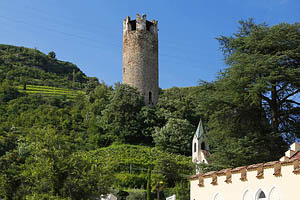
[{"x": 140, "y": 56}]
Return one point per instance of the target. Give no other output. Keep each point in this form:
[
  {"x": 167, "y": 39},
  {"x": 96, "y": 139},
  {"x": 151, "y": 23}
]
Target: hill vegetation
[
  {"x": 100, "y": 139},
  {"x": 20, "y": 65}
]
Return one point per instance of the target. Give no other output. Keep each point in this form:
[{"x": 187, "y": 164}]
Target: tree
[
  {"x": 265, "y": 63},
  {"x": 52, "y": 54},
  {"x": 57, "y": 167},
  {"x": 91, "y": 84},
  {"x": 120, "y": 119},
  {"x": 8, "y": 93},
  {"x": 179, "y": 103},
  {"x": 253, "y": 103},
  {"x": 149, "y": 183},
  {"x": 175, "y": 136}
]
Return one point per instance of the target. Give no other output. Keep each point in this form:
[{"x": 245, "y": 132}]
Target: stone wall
[{"x": 140, "y": 57}]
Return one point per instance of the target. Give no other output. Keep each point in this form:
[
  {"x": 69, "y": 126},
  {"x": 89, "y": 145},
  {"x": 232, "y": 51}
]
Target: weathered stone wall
[{"x": 140, "y": 57}]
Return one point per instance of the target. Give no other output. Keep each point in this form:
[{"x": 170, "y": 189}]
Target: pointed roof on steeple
[{"x": 200, "y": 130}]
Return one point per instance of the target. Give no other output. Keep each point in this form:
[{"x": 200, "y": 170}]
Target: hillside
[
  {"x": 21, "y": 65},
  {"x": 50, "y": 110}
]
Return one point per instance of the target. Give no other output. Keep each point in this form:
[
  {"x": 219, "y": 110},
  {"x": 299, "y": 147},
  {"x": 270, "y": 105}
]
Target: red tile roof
[
  {"x": 288, "y": 160},
  {"x": 296, "y": 155}
]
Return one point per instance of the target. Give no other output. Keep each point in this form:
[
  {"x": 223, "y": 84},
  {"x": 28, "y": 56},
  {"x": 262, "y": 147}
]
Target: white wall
[{"x": 287, "y": 186}]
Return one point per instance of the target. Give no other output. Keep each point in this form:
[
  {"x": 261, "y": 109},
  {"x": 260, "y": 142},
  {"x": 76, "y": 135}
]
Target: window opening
[
  {"x": 195, "y": 147},
  {"x": 133, "y": 25},
  {"x": 148, "y": 25},
  {"x": 261, "y": 196},
  {"x": 247, "y": 196},
  {"x": 202, "y": 146},
  {"x": 274, "y": 194},
  {"x": 150, "y": 97},
  {"x": 218, "y": 197}
]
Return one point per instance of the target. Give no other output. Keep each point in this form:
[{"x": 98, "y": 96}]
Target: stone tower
[{"x": 140, "y": 56}]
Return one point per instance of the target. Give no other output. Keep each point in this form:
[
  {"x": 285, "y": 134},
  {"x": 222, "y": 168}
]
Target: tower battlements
[{"x": 140, "y": 24}]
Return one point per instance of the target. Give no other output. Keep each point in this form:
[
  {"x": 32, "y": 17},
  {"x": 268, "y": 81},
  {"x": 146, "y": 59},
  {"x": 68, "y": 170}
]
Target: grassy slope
[{"x": 50, "y": 91}]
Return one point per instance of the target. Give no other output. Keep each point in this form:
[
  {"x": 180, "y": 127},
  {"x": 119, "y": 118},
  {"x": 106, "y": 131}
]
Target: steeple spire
[{"x": 200, "y": 130}]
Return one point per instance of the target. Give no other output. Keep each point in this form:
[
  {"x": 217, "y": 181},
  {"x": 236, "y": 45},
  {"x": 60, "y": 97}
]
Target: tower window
[
  {"x": 150, "y": 97},
  {"x": 148, "y": 25},
  {"x": 133, "y": 25},
  {"x": 195, "y": 147},
  {"x": 202, "y": 146}
]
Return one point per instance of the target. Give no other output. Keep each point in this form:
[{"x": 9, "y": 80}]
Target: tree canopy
[
  {"x": 253, "y": 106},
  {"x": 265, "y": 65}
]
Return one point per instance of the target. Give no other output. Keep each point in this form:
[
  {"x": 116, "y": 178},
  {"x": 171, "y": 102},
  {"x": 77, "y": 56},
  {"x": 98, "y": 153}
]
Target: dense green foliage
[
  {"x": 20, "y": 65},
  {"x": 175, "y": 136},
  {"x": 253, "y": 103},
  {"x": 52, "y": 147},
  {"x": 60, "y": 143}
]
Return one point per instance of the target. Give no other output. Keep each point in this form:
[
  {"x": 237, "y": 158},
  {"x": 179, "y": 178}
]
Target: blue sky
[{"x": 89, "y": 33}]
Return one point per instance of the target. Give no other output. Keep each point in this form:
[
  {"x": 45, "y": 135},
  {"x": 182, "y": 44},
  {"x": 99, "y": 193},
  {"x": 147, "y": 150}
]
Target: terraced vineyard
[{"x": 50, "y": 91}]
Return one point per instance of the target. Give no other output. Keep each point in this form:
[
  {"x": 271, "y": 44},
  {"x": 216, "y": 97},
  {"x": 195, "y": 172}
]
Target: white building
[{"x": 277, "y": 180}]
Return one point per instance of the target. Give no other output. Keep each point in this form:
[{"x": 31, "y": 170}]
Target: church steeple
[
  {"x": 200, "y": 147},
  {"x": 200, "y": 130}
]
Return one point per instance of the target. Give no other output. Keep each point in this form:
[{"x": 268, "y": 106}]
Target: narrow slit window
[
  {"x": 150, "y": 97},
  {"x": 195, "y": 147}
]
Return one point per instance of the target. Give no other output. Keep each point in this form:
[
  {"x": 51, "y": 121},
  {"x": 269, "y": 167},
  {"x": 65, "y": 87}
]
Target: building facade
[
  {"x": 140, "y": 56},
  {"x": 277, "y": 180}
]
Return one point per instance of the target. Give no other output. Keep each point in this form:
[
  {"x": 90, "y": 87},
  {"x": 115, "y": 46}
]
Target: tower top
[
  {"x": 140, "y": 24},
  {"x": 200, "y": 130}
]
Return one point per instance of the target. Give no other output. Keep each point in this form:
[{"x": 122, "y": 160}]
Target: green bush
[
  {"x": 181, "y": 190},
  {"x": 44, "y": 197},
  {"x": 136, "y": 194},
  {"x": 131, "y": 180}
]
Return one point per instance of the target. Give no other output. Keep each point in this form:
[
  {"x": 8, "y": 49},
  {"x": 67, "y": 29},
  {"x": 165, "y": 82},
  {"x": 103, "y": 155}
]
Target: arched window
[
  {"x": 274, "y": 194},
  {"x": 260, "y": 195},
  {"x": 247, "y": 195},
  {"x": 203, "y": 146},
  {"x": 195, "y": 147},
  {"x": 218, "y": 196}
]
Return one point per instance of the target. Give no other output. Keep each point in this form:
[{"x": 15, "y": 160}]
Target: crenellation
[
  {"x": 214, "y": 179},
  {"x": 127, "y": 24},
  {"x": 260, "y": 168},
  {"x": 140, "y": 22},
  {"x": 154, "y": 27},
  {"x": 277, "y": 169}
]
